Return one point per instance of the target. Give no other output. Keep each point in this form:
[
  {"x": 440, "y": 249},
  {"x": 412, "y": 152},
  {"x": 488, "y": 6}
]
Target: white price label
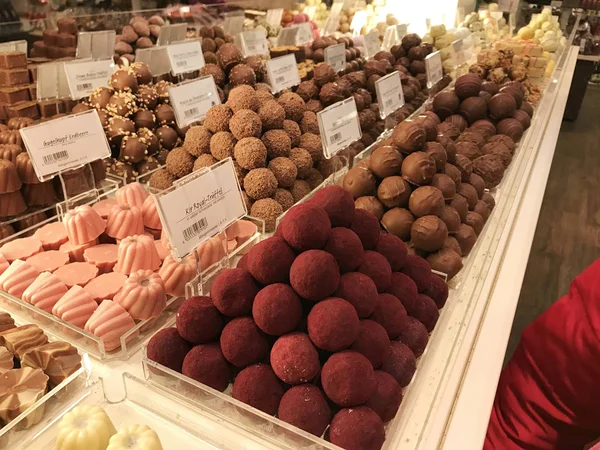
[
  {"x": 13, "y": 46},
  {"x": 84, "y": 77},
  {"x": 390, "y": 96},
  {"x": 335, "y": 56},
  {"x": 371, "y": 44},
  {"x": 185, "y": 56},
  {"x": 274, "y": 16},
  {"x": 433, "y": 67},
  {"x": 96, "y": 44},
  {"x": 287, "y": 37},
  {"x": 401, "y": 31},
  {"x": 201, "y": 208},
  {"x": 191, "y": 100},
  {"x": 310, "y": 11},
  {"x": 305, "y": 34},
  {"x": 65, "y": 143},
  {"x": 457, "y": 47},
  {"x": 156, "y": 58},
  {"x": 233, "y": 24},
  {"x": 283, "y": 73},
  {"x": 339, "y": 126},
  {"x": 556, "y": 4},
  {"x": 390, "y": 37},
  {"x": 169, "y": 34},
  {"x": 254, "y": 42}
]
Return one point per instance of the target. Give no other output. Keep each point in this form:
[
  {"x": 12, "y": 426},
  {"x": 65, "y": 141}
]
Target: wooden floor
[{"x": 567, "y": 238}]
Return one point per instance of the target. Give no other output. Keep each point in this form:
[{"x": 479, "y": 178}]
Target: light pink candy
[
  {"x": 103, "y": 207},
  {"x": 3, "y": 264},
  {"x": 211, "y": 252},
  {"x": 177, "y": 274},
  {"x": 106, "y": 286},
  {"x": 123, "y": 221},
  {"x": 150, "y": 213},
  {"x": 132, "y": 194},
  {"x": 21, "y": 248},
  {"x": 75, "y": 307},
  {"x": 48, "y": 261},
  {"x": 76, "y": 252},
  {"x": 83, "y": 224},
  {"x": 52, "y": 235},
  {"x": 143, "y": 295},
  {"x": 45, "y": 291},
  {"x": 137, "y": 253},
  {"x": 109, "y": 322},
  {"x": 17, "y": 278}
]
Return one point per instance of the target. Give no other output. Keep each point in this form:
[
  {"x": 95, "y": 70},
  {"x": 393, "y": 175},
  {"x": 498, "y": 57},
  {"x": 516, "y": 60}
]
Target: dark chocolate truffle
[
  {"x": 242, "y": 97},
  {"x": 511, "y": 128},
  {"x": 473, "y": 109},
  {"x": 445, "y": 104},
  {"x": 502, "y": 106},
  {"x": 491, "y": 168},
  {"x": 242, "y": 74},
  {"x": 467, "y": 85},
  {"x": 229, "y": 56},
  {"x": 522, "y": 117},
  {"x": 488, "y": 200}
]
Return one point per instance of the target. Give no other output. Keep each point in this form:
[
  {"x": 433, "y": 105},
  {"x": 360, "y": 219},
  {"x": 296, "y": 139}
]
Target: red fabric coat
[{"x": 548, "y": 395}]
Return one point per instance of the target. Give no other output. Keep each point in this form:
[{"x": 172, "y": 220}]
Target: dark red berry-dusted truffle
[
  {"x": 168, "y": 348},
  {"x": 376, "y": 267},
  {"x": 390, "y": 314},
  {"x": 357, "y": 428},
  {"x": 305, "y": 227},
  {"x": 338, "y": 203},
  {"x": 258, "y": 387},
  {"x": 348, "y": 378},
  {"x": 305, "y": 407},
  {"x": 387, "y": 397},
  {"x": 346, "y": 248},
  {"x": 366, "y": 226},
  {"x": 437, "y": 290},
  {"x": 270, "y": 260},
  {"x": 414, "y": 335},
  {"x": 277, "y": 309},
  {"x": 419, "y": 270},
  {"x": 426, "y": 312},
  {"x": 393, "y": 249},
  {"x": 243, "y": 262},
  {"x": 243, "y": 343},
  {"x": 233, "y": 291},
  {"x": 360, "y": 291},
  {"x": 198, "y": 321},
  {"x": 404, "y": 289},
  {"x": 401, "y": 364},
  {"x": 315, "y": 275},
  {"x": 294, "y": 359},
  {"x": 372, "y": 342},
  {"x": 206, "y": 364},
  {"x": 333, "y": 324}
]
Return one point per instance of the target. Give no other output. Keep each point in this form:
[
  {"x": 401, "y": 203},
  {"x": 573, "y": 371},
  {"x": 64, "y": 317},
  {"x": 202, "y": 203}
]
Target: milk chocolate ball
[
  {"x": 385, "y": 161},
  {"x": 490, "y": 86},
  {"x": 466, "y": 238},
  {"x": 451, "y": 218},
  {"x": 490, "y": 168},
  {"x": 428, "y": 233},
  {"x": 522, "y": 117},
  {"x": 467, "y": 85},
  {"x": 394, "y": 192},
  {"x": 507, "y": 141},
  {"x": 473, "y": 108},
  {"x": 408, "y": 137},
  {"x": 469, "y": 193},
  {"x": 465, "y": 166},
  {"x": 460, "y": 204},
  {"x": 438, "y": 153},
  {"x": 501, "y": 106},
  {"x": 453, "y": 172},
  {"x": 360, "y": 181},
  {"x": 398, "y": 221},
  {"x": 449, "y": 129},
  {"x": 446, "y": 261},
  {"x": 371, "y": 204},
  {"x": 458, "y": 121},
  {"x": 484, "y": 126},
  {"x": 511, "y": 128},
  {"x": 445, "y": 104},
  {"x": 449, "y": 145},
  {"x": 418, "y": 168},
  {"x": 445, "y": 184},
  {"x": 426, "y": 200}
]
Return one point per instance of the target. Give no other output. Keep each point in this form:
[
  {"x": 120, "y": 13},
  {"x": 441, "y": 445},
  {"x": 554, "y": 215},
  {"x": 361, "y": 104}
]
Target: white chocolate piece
[
  {"x": 84, "y": 427},
  {"x": 135, "y": 437}
]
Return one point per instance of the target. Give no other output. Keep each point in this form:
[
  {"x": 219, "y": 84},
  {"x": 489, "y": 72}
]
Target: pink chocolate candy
[
  {"x": 75, "y": 307},
  {"x": 109, "y": 322},
  {"x": 83, "y": 224},
  {"x": 21, "y": 248},
  {"x": 106, "y": 286},
  {"x": 45, "y": 291},
  {"x": 48, "y": 261},
  {"x": 103, "y": 207},
  {"x": 79, "y": 273},
  {"x": 17, "y": 278},
  {"x": 52, "y": 235},
  {"x": 75, "y": 251},
  {"x": 132, "y": 194},
  {"x": 103, "y": 256}
]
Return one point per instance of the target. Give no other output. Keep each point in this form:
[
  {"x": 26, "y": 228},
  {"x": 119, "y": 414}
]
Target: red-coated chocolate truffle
[
  {"x": 259, "y": 387},
  {"x": 437, "y": 290},
  {"x": 390, "y": 314},
  {"x": 445, "y": 104},
  {"x": 404, "y": 289},
  {"x": 373, "y": 342},
  {"x": 393, "y": 249},
  {"x": 348, "y": 378},
  {"x": 376, "y": 267},
  {"x": 346, "y": 248},
  {"x": 401, "y": 364},
  {"x": 357, "y": 428},
  {"x": 337, "y": 203},
  {"x": 277, "y": 309},
  {"x": 233, "y": 292},
  {"x": 306, "y": 226},
  {"x": 305, "y": 407},
  {"x": 366, "y": 226},
  {"x": 414, "y": 335},
  {"x": 270, "y": 260},
  {"x": 168, "y": 348},
  {"x": 198, "y": 321},
  {"x": 206, "y": 364},
  {"x": 294, "y": 359},
  {"x": 387, "y": 397},
  {"x": 418, "y": 269},
  {"x": 360, "y": 291},
  {"x": 426, "y": 312},
  {"x": 315, "y": 275},
  {"x": 243, "y": 343},
  {"x": 333, "y": 324}
]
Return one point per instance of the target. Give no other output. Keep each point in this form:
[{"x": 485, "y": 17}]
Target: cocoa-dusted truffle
[
  {"x": 168, "y": 348},
  {"x": 198, "y": 321},
  {"x": 445, "y": 104},
  {"x": 366, "y": 226},
  {"x": 260, "y": 183},
  {"x": 242, "y": 74},
  {"x": 277, "y": 309},
  {"x": 245, "y": 123},
  {"x": 333, "y": 324},
  {"x": 348, "y": 378},
  {"x": 404, "y": 289},
  {"x": 197, "y": 141},
  {"x": 408, "y": 137},
  {"x": 258, "y": 387},
  {"x": 385, "y": 161},
  {"x": 376, "y": 267},
  {"x": 294, "y": 359},
  {"x": 398, "y": 221},
  {"x": 204, "y": 160},
  {"x": 229, "y": 56},
  {"x": 293, "y": 105},
  {"x": 270, "y": 260},
  {"x": 401, "y": 363},
  {"x": 357, "y": 428},
  {"x": 293, "y": 131},
  {"x": 428, "y": 233},
  {"x": 124, "y": 80},
  {"x": 491, "y": 168},
  {"x": 466, "y": 238},
  {"x": 263, "y": 95},
  {"x": 414, "y": 335},
  {"x": 250, "y": 153},
  {"x": 426, "y": 200},
  {"x": 268, "y": 210},
  {"x": 277, "y": 143},
  {"x": 161, "y": 179},
  {"x": 465, "y": 166},
  {"x": 371, "y": 204},
  {"x": 222, "y": 145},
  {"x": 284, "y": 170},
  {"x": 306, "y": 226},
  {"x": 217, "y": 118},
  {"x": 360, "y": 181},
  {"x": 179, "y": 162},
  {"x": 467, "y": 85},
  {"x": 299, "y": 190},
  {"x": 390, "y": 314},
  {"x": 243, "y": 343},
  {"x": 242, "y": 97},
  {"x": 302, "y": 159},
  {"x": 309, "y": 123},
  {"x": 394, "y": 192},
  {"x": 305, "y": 407},
  {"x": 233, "y": 292},
  {"x": 337, "y": 203},
  {"x": 271, "y": 115},
  {"x": 314, "y": 275},
  {"x": 387, "y": 397},
  {"x": 437, "y": 289},
  {"x": 372, "y": 342},
  {"x": 284, "y": 197},
  {"x": 215, "y": 71},
  {"x": 426, "y": 312},
  {"x": 205, "y": 363},
  {"x": 473, "y": 108}
]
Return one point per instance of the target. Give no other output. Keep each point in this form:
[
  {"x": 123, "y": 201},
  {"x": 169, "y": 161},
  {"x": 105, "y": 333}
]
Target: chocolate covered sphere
[
  {"x": 360, "y": 181},
  {"x": 398, "y": 221},
  {"x": 418, "y": 168},
  {"x": 428, "y": 233},
  {"x": 522, "y": 117},
  {"x": 394, "y": 192},
  {"x": 473, "y": 108},
  {"x": 426, "y": 200},
  {"x": 489, "y": 167},
  {"x": 490, "y": 86},
  {"x": 124, "y": 80},
  {"x": 467, "y": 85},
  {"x": 446, "y": 261},
  {"x": 457, "y": 120},
  {"x": 501, "y": 106},
  {"x": 445, "y": 104},
  {"x": 511, "y": 128},
  {"x": 465, "y": 166},
  {"x": 437, "y": 152},
  {"x": 408, "y": 137},
  {"x": 451, "y": 218},
  {"x": 445, "y": 184},
  {"x": 385, "y": 161},
  {"x": 525, "y": 106}
]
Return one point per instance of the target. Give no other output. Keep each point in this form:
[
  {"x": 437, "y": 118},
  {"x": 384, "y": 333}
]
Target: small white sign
[
  {"x": 371, "y": 44},
  {"x": 13, "y": 46},
  {"x": 287, "y": 37},
  {"x": 51, "y": 81},
  {"x": 310, "y": 11},
  {"x": 156, "y": 58},
  {"x": 339, "y": 126},
  {"x": 390, "y": 37},
  {"x": 390, "y": 96},
  {"x": 65, "y": 143},
  {"x": 305, "y": 34},
  {"x": 96, "y": 44},
  {"x": 84, "y": 77},
  {"x": 192, "y": 99},
  {"x": 433, "y": 67},
  {"x": 169, "y": 34},
  {"x": 401, "y": 31},
  {"x": 233, "y": 24},
  {"x": 274, "y": 16},
  {"x": 201, "y": 208},
  {"x": 185, "y": 56},
  {"x": 335, "y": 56},
  {"x": 556, "y": 3},
  {"x": 254, "y": 42},
  {"x": 457, "y": 47},
  {"x": 283, "y": 73}
]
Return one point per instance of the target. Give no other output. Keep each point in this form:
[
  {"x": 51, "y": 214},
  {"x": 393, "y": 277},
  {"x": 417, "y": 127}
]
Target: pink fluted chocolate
[
  {"x": 109, "y": 322},
  {"x": 78, "y": 273},
  {"x": 75, "y": 307},
  {"x": 17, "y": 278},
  {"x": 103, "y": 207},
  {"x": 103, "y": 256},
  {"x": 3, "y": 264},
  {"x": 52, "y": 235},
  {"x": 211, "y": 251},
  {"x": 21, "y": 248},
  {"x": 75, "y": 251},
  {"x": 45, "y": 291},
  {"x": 162, "y": 249},
  {"x": 137, "y": 253},
  {"x": 176, "y": 274},
  {"x": 106, "y": 286},
  {"x": 150, "y": 214},
  {"x": 48, "y": 261},
  {"x": 132, "y": 194},
  {"x": 83, "y": 224},
  {"x": 246, "y": 230},
  {"x": 123, "y": 221},
  {"x": 143, "y": 295}
]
